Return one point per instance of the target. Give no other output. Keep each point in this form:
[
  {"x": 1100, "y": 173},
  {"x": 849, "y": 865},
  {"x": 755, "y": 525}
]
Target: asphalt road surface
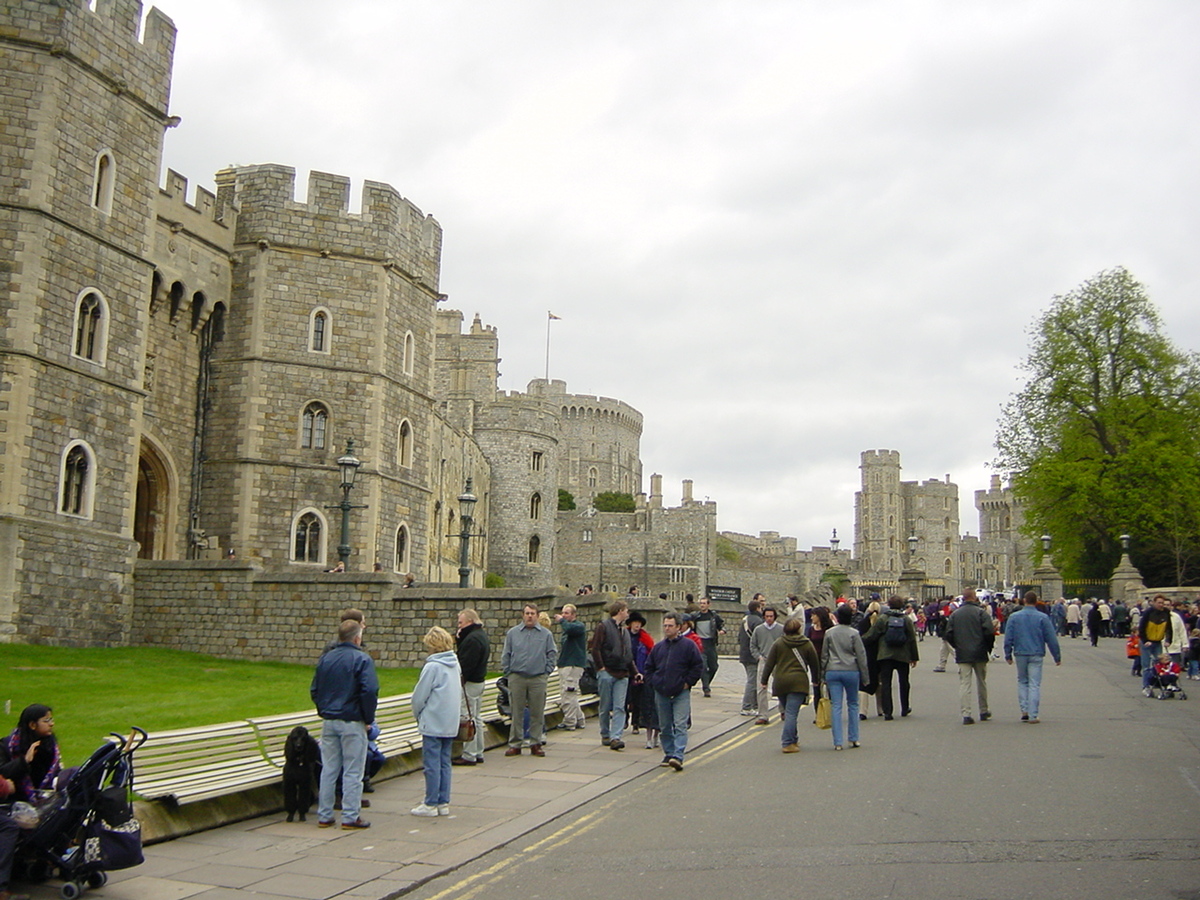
[{"x": 1101, "y": 800}]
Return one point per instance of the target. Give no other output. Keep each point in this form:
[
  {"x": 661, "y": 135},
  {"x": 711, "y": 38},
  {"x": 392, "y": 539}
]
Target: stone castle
[{"x": 179, "y": 376}]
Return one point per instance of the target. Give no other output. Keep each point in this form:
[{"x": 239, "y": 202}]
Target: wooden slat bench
[{"x": 193, "y": 764}]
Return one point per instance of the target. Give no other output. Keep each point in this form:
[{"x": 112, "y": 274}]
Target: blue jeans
[
  {"x": 1149, "y": 655},
  {"x": 435, "y": 757},
  {"x": 673, "y": 715},
  {"x": 843, "y": 692},
  {"x": 344, "y": 756},
  {"x": 791, "y": 711},
  {"x": 1029, "y": 683},
  {"x": 612, "y": 705}
]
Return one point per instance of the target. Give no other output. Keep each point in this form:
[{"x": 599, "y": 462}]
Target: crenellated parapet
[
  {"x": 587, "y": 406},
  {"x": 205, "y": 217},
  {"x": 390, "y": 229},
  {"x": 105, "y": 40}
]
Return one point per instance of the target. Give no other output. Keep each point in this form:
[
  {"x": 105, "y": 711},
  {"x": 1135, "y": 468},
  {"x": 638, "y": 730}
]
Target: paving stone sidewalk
[{"x": 491, "y": 805}]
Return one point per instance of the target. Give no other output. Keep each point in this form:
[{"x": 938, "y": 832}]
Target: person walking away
[
  {"x": 612, "y": 654},
  {"x": 528, "y": 658},
  {"x": 844, "y": 663},
  {"x": 571, "y": 660},
  {"x": 473, "y": 651},
  {"x": 437, "y": 705},
  {"x": 641, "y": 695},
  {"x": 709, "y": 625},
  {"x": 792, "y": 658},
  {"x": 971, "y": 631},
  {"x": 764, "y": 636},
  {"x": 750, "y": 621},
  {"x": 673, "y": 667},
  {"x": 897, "y": 653},
  {"x": 345, "y": 690},
  {"x": 1029, "y": 634}
]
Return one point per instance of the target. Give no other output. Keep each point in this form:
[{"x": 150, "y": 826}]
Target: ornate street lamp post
[
  {"x": 348, "y": 465},
  {"x": 466, "y": 506}
]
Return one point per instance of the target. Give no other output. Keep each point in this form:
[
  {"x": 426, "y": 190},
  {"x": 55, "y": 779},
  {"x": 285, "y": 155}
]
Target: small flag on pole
[{"x": 552, "y": 315}]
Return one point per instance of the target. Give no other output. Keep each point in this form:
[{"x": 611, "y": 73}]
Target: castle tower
[
  {"x": 519, "y": 435},
  {"x": 931, "y": 514},
  {"x": 332, "y": 341},
  {"x": 601, "y": 442},
  {"x": 85, "y": 108},
  {"x": 880, "y": 539}
]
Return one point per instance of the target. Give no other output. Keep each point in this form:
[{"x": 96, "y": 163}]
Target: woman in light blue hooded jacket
[{"x": 435, "y": 703}]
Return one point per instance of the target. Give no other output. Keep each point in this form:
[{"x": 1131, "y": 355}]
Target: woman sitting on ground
[{"x": 31, "y": 753}]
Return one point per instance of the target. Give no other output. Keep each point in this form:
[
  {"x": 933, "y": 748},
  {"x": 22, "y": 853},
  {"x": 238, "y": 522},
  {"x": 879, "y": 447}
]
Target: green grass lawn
[{"x": 97, "y": 690}]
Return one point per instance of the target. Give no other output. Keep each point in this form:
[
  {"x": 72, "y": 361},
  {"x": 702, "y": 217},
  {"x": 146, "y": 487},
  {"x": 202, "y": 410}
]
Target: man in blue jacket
[
  {"x": 345, "y": 691},
  {"x": 673, "y": 667},
  {"x": 1028, "y": 633}
]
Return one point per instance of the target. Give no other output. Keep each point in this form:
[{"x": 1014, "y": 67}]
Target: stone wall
[{"x": 237, "y": 610}]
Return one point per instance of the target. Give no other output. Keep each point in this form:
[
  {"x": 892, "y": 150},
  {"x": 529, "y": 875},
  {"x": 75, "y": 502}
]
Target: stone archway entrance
[{"x": 151, "y": 528}]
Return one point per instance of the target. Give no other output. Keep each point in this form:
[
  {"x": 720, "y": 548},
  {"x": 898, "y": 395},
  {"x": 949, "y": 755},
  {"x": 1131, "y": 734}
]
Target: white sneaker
[
  {"x": 1147, "y": 692},
  {"x": 443, "y": 809},
  {"x": 426, "y": 810}
]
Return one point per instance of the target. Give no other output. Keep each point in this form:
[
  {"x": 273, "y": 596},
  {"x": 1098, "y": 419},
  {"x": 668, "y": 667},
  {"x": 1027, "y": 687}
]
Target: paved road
[{"x": 1101, "y": 800}]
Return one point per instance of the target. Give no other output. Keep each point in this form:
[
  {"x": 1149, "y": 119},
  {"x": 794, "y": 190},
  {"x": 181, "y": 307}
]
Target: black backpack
[{"x": 895, "y": 635}]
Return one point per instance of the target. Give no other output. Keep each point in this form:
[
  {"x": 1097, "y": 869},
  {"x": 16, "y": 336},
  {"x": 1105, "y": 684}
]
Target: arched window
[
  {"x": 402, "y": 554},
  {"x": 410, "y": 352},
  {"x": 308, "y": 537},
  {"x": 77, "y": 478},
  {"x": 319, "y": 330},
  {"x": 535, "y": 507},
  {"x": 535, "y": 548},
  {"x": 104, "y": 181},
  {"x": 91, "y": 326},
  {"x": 593, "y": 476},
  {"x": 949, "y": 567},
  {"x": 404, "y": 445},
  {"x": 314, "y": 427}
]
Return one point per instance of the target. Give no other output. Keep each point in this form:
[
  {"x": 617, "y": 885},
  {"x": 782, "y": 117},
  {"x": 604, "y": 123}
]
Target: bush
[
  {"x": 492, "y": 580},
  {"x": 566, "y": 500},
  {"x": 613, "y": 501}
]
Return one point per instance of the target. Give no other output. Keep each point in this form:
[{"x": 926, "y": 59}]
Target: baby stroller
[
  {"x": 1166, "y": 687},
  {"x": 87, "y": 827}
]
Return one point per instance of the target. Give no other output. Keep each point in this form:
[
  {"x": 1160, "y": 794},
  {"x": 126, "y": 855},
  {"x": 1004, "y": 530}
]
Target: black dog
[{"x": 301, "y": 756}]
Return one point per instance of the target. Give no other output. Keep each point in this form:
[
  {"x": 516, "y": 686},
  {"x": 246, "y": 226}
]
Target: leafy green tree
[
  {"x": 614, "y": 501},
  {"x": 566, "y": 500},
  {"x": 1104, "y": 439},
  {"x": 492, "y": 580}
]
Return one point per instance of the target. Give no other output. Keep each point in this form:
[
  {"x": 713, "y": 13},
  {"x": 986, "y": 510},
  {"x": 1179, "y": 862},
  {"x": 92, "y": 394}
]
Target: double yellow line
[{"x": 473, "y": 885}]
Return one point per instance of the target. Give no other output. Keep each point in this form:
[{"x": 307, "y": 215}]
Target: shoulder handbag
[{"x": 466, "y": 722}]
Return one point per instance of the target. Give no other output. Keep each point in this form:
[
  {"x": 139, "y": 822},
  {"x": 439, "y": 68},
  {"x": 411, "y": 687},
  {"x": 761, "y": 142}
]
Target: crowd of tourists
[{"x": 855, "y": 656}]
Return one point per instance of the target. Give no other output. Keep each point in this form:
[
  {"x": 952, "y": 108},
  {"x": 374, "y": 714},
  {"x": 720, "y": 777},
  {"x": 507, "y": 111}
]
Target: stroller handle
[{"x": 130, "y": 743}]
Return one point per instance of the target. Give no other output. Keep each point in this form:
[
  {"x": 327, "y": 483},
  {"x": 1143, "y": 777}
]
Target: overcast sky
[{"x": 786, "y": 232}]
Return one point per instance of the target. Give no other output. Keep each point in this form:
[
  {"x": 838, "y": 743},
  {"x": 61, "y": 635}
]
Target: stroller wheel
[
  {"x": 1182, "y": 695},
  {"x": 97, "y": 879},
  {"x": 37, "y": 871},
  {"x": 71, "y": 890}
]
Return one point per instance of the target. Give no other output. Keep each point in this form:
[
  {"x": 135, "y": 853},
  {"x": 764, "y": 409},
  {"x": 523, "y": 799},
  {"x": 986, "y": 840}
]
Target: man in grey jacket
[
  {"x": 971, "y": 631},
  {"x": 751, "y": 621},
  {"x": 761, "y": 640},
  {"x": 528, "y": 659}
]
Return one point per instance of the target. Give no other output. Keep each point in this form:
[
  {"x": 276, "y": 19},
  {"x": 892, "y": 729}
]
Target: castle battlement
[
  {"x": 105, "y": 40},
  {"x": 205, "y": 217},
  {"x": 390, "y": 228},
  {"x": 880, "y": 457}
]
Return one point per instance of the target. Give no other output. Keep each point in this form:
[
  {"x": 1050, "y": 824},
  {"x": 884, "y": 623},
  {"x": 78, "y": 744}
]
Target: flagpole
[{"x": 550, "y": 317}]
